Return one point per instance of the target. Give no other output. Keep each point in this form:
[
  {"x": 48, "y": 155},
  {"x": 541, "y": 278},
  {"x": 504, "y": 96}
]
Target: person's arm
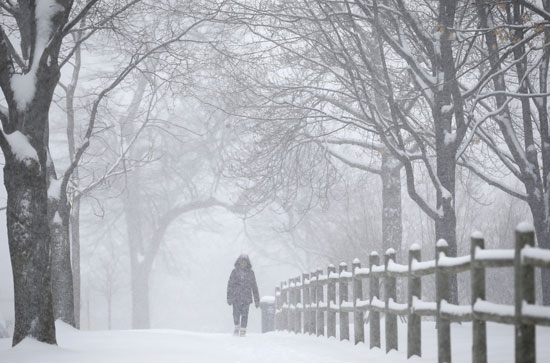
[
  {"x": 255, "y": 291},
  {"x": 230, "y": 287}
]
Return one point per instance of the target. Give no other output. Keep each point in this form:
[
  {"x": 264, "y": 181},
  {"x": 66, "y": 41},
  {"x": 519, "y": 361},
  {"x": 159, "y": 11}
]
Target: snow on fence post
[
  {"x": 313, "y": 308},
  {"x": 477, "y": 278},
  {"x": 358, "y": 322},
  {"x": 524, "y": 282},
  {"x": 320, "y": 310},
  {"x": 442, "y": 294},
  {"x": 390, "y": 295},
  {"x": 278, "y": 306},
  {"x": 305, "y": 301},
  {"x": 331, "y": 298},
  {"x": 291, "y": 304},
  {"x": 414, "y": 284},
  {"x": 299, "y": 306},
  {"x": 374, "y": 293},
  {"x": 344, "y": 315}
]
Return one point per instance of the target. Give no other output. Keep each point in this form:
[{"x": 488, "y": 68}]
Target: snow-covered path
[{"x": 167, "y": 346}]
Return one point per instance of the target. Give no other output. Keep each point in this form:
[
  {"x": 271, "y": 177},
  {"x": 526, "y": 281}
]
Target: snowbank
[{"x": 171, "y": 346}]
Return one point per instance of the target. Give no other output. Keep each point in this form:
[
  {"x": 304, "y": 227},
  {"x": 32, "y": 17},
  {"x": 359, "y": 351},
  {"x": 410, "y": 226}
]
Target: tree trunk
[
  {"x": 62, "y": 276},
  {"x": 24, "y": 141},
  {"x": 390, "y": 173},
  {"x": 542, "y": 229},
  {"x": 545, "y": 280},
  {"x": 445, "y": 226},
  {"x": 446, "y": 136},
  {"x": 29, "y": 243},
  {"x": 392, "y": 226},
  {"x": 109, "y": 312},
  {"x": 139, "y": 272},
  {"x": 75, "y": 251},
  {"x": 134, "y": 221},
  {"x": 140, "y": 298}
]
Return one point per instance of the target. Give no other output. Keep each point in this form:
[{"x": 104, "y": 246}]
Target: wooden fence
[{"x": 301, "y": 305}]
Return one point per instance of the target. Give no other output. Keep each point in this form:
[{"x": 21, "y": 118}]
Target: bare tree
[
  {"x": 380, "y": 71},
  {"x": 512, "y": 98},
  {"x": 28, "y": 78}
]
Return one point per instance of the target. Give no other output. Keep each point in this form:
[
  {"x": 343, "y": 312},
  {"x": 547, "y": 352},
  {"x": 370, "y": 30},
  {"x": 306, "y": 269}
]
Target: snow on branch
[
  {"x": 21, "y": 147},
  {"x": 24, "y": 85}
]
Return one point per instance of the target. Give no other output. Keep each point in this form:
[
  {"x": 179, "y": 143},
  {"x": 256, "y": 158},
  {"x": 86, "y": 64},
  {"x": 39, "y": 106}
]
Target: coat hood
[{"x": 243, "y": 258}]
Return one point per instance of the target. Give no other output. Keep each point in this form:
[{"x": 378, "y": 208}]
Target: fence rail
[{"x": 301, "y": 307}]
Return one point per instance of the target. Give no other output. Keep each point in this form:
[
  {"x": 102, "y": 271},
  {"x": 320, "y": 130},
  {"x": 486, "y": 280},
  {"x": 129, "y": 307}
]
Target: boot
[
  {"x": 243, "y": 332},
  {"x": 236, "y": 330}
]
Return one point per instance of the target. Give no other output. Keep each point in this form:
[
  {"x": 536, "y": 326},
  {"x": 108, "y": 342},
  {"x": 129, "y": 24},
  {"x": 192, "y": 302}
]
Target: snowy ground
[{"x": 164, "y": 346}]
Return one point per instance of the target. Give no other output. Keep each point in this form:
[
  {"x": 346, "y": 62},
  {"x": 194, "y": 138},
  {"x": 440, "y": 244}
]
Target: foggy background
[{"x": 220, "y": 118}]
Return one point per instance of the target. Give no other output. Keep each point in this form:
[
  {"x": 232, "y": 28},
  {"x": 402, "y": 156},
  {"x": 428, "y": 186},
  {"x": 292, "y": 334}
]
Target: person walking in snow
[{"x": 241, "y": 288}]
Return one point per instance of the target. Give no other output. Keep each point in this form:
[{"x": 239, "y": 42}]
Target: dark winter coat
[{"x": 242, "y": 286}]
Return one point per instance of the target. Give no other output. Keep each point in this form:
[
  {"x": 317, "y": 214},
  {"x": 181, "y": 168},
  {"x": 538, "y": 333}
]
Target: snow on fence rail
[{"x": 300, "y": 305}]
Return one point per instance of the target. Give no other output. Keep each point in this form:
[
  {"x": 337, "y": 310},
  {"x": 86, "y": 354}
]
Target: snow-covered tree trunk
[
  {"x": 445, "y": 225},
  {"x": 449, "y": 129},
  {"x": 28, "y": 81},
  {"x": 392, "y": 226},
  {"x": 29, "y": 242}
]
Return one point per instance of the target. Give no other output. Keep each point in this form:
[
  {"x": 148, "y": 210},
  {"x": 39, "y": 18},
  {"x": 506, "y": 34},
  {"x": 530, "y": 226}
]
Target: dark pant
[{"x": 240, "y": 314}]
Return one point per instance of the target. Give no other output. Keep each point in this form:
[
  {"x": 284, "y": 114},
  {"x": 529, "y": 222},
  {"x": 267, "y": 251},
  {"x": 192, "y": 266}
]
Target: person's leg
[
  {"x": 244, "y": 318},
  {"x": 236, "y": 315},
  {"x": 236, "y": 319}
]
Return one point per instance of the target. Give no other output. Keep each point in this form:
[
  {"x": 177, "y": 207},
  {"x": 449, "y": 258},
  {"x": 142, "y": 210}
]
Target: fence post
[
  {"x": 278, "y": 306},
  {"x": 313, "y": 295},
  {"x": 358, "y": 322},
  {"x": 477, "y": 277},
  {"x": 298, "y": 321},
  {"x": 320, "y": 299},
  {"x": 306, "y": 301},
  {"x": 344, "y": 316},
  {"x": 374, "y": 292},
  {"x": 414, "y": 332},
  {"x": 524, "y": 284},
  {"x": 284, "y": 301},
  {"x": 442, "y": 293},
  {"x": 331, "y": 298},
  {"x": 267, "y": 305},
  {"x": 291, "y": 304},
  {"x": 390, "y": 295}
]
